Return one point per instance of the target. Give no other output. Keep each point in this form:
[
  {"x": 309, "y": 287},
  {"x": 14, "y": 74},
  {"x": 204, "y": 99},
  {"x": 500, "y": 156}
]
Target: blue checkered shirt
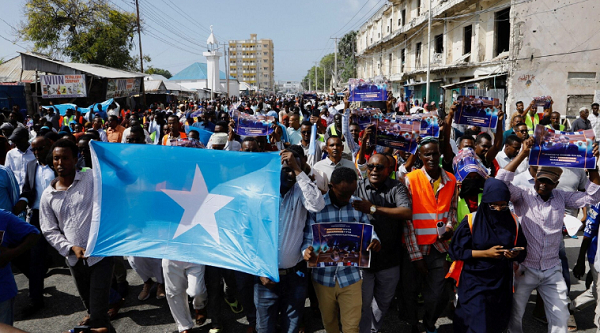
[{"x": 328, "y": 276}]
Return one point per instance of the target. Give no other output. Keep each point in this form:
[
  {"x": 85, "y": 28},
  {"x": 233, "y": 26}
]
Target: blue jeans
[
  {"x": 7, "y": 311},
  {"x": 286, "y": 297}
]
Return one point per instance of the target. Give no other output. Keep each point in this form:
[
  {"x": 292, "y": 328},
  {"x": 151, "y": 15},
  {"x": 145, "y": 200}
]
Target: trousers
[
  {"x": 340, "y": 304},
  {"x": 551, "y": 285},
  {"x": 93, "y": 284},
  {"x": 182, "y": 279},
  {"x": 147, "y": 268},
  {"x": 378, "y": 290}
]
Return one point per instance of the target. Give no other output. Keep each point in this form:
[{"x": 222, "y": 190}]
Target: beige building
[
  {"x": 506, "y": 49},
  {"x": 252, "y": 61}
]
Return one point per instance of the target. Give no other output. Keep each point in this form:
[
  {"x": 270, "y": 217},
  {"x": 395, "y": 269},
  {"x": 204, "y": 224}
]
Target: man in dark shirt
[
  {"x": 582, "y": 123},
  {"x": 388, "y": 204}
]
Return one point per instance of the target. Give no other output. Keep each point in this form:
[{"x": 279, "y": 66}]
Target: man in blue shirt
[
  {"x": 9, "y": 189},
  {"x": 339, "y": 287},
  {"x": 16, "y": 237}
]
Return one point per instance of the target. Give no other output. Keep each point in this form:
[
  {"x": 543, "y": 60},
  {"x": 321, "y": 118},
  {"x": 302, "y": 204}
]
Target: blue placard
[
  {"x": 477, "y": 111},
  {"x": 252, "y": 125},
  {"x": 341, "y": 244},
  {"x": 401, "y": 135},
  {"x": 364, "y": 91},
  {"x": 563, "y": 149}
]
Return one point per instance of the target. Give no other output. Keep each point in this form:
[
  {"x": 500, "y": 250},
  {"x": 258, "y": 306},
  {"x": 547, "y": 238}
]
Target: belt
[{"x": 286, "y": 271}]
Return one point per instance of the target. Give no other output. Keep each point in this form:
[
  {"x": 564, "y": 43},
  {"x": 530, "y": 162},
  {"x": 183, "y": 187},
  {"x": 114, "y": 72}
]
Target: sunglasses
[{"x": 377, "y": 167}]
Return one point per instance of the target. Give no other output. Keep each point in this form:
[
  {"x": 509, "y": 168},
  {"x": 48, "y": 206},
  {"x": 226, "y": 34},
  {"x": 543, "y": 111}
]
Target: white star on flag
[{"x": 200, "y": 207}]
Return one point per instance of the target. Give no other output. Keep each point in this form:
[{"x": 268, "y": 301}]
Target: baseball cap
[{"x": 550, "y": 173}]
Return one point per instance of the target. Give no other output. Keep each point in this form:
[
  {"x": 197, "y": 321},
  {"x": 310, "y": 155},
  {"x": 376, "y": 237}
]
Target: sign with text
[
  {"x": 63, "y": 86},
  {"x": 341, "y": 244},
  {"x": 563, "y": 149},
  {"x": 117, "y": 88},
  {"x": 477, "y": 111},
  {"x": 367, "y": 91},
  {"x": 401, "y": 134},
  {"x": 252, "y": 125}
]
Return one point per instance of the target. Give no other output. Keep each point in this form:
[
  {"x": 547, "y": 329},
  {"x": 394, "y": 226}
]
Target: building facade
[
  {"x": 505, "y": 49},
  {"x": 252, "y": 61}
]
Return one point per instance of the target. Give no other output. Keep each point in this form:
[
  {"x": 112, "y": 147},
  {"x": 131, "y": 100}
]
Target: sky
[{"x": 300, "y": 30}]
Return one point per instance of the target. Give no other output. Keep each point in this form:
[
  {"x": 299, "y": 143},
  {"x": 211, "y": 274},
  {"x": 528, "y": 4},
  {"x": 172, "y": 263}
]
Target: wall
[{"x": 542, "y": 29}]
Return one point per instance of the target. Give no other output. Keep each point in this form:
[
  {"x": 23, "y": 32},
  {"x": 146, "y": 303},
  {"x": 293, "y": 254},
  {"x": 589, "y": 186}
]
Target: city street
[{"x": 64, "y": 309}]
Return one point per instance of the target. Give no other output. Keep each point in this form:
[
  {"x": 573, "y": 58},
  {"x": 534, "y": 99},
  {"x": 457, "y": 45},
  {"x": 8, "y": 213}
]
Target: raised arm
[
  {"x": 498, "y": 136},
  {"x": 447, "y": 149}
]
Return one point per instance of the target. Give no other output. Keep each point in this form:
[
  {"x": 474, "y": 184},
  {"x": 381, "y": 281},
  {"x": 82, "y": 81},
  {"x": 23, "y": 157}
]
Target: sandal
[
  {"x": 235, "y": 306},
  {"x": 572, "y": 324}
]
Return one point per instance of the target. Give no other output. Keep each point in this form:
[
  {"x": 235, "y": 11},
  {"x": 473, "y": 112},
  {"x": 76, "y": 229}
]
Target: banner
[
  {"x": 465, "y": 162},
  {"x": 252, "y": 125},
  {"x": 62, "y": 108},
  {"x": 366, "y": 117},
  {"x": 309, "y": 96},
  {"x": 563, "y": 149},
  {"x": 341, "y": 244},
  {"x": 477, "y": 111},
  {"x": 367, "y": 91},
  {"x": 63, "y": 86},
  {"x": 220, "y": 208},
  {"x": 401, "y": 134},
  {"x": 117, "y": 88}
]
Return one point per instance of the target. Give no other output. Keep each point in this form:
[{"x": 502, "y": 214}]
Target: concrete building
[
  {"x": 252, "y": 61},
  {"x": 510, "y": 49},
  {"x": 288, "y": 86}
]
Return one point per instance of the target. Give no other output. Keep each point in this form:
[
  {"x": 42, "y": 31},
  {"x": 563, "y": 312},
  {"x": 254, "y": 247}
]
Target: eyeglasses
[
  {"x": 377, "y": 167},
  {"x": 498, "y": 208}
]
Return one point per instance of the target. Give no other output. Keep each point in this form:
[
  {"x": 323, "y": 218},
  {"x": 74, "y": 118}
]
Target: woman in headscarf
[{"x": 486, "y": 283}]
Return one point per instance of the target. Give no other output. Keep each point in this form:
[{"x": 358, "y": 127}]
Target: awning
[
  {"x": 420, "y": 83},
  {"x": 477, "y": 79}
]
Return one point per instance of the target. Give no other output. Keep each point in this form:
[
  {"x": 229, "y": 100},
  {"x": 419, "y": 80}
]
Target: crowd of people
[{"x": 476, "y": 247}]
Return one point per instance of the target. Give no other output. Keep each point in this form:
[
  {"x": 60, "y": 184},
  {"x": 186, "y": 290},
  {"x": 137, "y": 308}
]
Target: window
[
  {"x": 265, "y": 53},
  {"x": 581, "y": 75},
  {"x": 418, "y": 54},
  {"x": 402, "y": 60},
  {"x": 265, "y": 60},
  {"x": 266, "y": 68},
  {"x": 418, "y": 7},
  {"x": 439, "y": 43},
  {"x": 502, "y": 31},
  {"x": 266, "y": 45},
  {"x": 404, "y": 16},
  {"x": 467, "y": 37},
  {"x": 390, "y": 64},
  {"x": 390, "y": 26}
]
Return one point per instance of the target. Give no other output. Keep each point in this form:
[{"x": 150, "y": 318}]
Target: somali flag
[{"x": 212, "y": 207}]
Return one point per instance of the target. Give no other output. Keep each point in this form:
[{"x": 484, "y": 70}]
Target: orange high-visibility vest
[{"x": 427, "y": 209}]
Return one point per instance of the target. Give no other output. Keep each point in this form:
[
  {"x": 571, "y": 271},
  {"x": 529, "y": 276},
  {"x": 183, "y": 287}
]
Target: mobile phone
[{"x": 517, "y": 249}]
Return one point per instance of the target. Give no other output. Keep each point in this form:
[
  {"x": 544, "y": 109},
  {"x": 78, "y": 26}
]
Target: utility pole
[
  {"x": 324, "y": 76},
  {"x": 226, "y": 50},
  {"x": 316, "y": 77},
  {"x": 137, "y": 8},
  {"x": 335, "y": 75},
  {"x": 428, "y": 54}
]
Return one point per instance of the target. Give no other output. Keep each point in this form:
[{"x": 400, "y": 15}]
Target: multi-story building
[
  {"x": 252, "y": 61},
  {"x": 511, "y": 49}
]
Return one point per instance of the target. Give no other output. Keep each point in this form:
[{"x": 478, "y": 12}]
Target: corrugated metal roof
[
  {"x": 172, "y": 86},
  {"x": 154, "y": 86},
  {"x": 33, "y": 61},
  {"x": 196, "y": 71},
  {"x": 10, "y": 71}
]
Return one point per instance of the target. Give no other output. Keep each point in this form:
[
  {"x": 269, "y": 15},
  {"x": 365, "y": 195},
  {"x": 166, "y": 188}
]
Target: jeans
[
  {"x": 7, "y": 311},
  {"x": 286, "y": 297},
  {"x": 553, "y": 289},
  {"x": 93, "y": 284},
  {"x": 378, "y": 289}
]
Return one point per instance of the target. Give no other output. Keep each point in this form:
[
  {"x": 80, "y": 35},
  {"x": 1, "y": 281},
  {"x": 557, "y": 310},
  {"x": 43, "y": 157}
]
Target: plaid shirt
[
  {"x": 416, "y": 250},
  {"x": 328, "y": 276}
]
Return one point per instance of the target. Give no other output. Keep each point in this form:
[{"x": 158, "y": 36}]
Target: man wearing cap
[
  {"x": 582, "y": 123},
  {"x": 542, "y": 211},
  {"x": 18, "y": 157}
]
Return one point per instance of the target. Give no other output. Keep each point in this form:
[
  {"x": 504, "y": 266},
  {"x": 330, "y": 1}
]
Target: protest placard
[
  {"x": 341, "y": 244},
  {"x": 366, "y": 117},
  {"x": 477, "y": 111},
  {"x": 367, "y": 91},
  {"x": 401, "y": 134},
  {"x": 252, "y": 125},
  {"x": 63, "y": 86},
  {"x": 466, "y": 162},
  {"x": 563, "y": 149}
]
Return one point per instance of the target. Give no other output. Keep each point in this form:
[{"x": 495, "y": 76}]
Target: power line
[
  {"x": 363, "y": 6},
  {"x": 368, "y": 13}
]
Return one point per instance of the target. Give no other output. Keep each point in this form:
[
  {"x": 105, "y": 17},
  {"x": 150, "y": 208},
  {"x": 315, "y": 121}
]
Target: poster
[
  {"x": 341, "y": 244},
  {"x": 563, "y": 149},
  {"x": 401, "y": 134},
  {"x": 117, "y": 88},
  {"x": 309, "y": 95},
  {"x": 63, "y": 86},
  {"x": 367, "y": 91},
  {"x": 252, "y": 125},
  {"x": 366, "y": 117},
  {"x": 477, "y": 111},
  {"x": 465, "y": 162},
  {"x": 429, "y": 124}
]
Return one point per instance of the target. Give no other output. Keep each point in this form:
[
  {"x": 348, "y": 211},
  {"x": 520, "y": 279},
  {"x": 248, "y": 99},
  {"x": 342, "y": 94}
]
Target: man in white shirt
[
  {"x": 133, "y": 122},
  {"x": 512, "y": 146},
  {"x": 334, "y": 159},
  {"x": 594, "y": 118},
  {"x": 18, "y": 157}
]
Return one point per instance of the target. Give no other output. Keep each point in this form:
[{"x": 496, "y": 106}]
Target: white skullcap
[{"x": 219, "y": 138}]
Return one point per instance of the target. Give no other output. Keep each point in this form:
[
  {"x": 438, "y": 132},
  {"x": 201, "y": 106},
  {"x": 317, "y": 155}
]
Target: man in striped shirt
[{"x": 542, "y": 211}]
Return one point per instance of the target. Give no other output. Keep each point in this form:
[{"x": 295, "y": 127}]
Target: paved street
[{"x": 64, "y": 309}]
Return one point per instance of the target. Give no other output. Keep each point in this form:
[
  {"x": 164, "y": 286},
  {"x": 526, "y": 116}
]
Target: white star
[{"x": 200, "y": 207}]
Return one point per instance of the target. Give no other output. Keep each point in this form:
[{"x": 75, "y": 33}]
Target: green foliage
[
  {"x": 159, "y": 71},
  {"x": 88, "y": 31},
  {"x": 324, "y": 69}
]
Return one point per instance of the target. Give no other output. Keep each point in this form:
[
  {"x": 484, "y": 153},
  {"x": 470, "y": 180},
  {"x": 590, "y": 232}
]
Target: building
[
  {"x": 506, "y": 49},
  {"x": 195, "y": 77},
  {"x": 292, "y": 87},
  {"x": 252, "y": 61}
]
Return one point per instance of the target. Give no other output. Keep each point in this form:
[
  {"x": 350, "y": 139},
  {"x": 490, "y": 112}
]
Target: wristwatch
[{"x": 373, "y": 209}]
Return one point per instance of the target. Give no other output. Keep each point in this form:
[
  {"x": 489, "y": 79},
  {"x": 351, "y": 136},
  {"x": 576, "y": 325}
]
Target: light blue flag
[{"x": 212, "y": 207}]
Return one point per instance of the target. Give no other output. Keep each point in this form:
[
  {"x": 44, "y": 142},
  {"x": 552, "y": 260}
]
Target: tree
[
  {"x": 88, "y": 31},
  {"x": 159, "y": 71},
  {"x": 324, "y": 70},
  {"x": 346, "y": 50}
]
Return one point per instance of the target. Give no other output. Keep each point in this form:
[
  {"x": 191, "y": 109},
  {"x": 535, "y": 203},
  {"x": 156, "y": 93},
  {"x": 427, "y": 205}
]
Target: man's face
[
  {"x": 194, "y": 135},
  {"x": 520, "y": 107},
  {"x": 377, "y": 169},
  {"x": 595, "y": 109},
  {"x": 288, "y": 177},
  {"x": 544, "y": 186},
  {"x": 355, "y": 132},
  {"x": 173, "y": 124},
  {"x": 522, "y": 132},
  {"x": 78, "y": 128},
  {"x": 512, "y": 150},
  {"x": 516, "y": 120},
  {"x": 344, "y": 191},
  {"x": 84, "y": 148},
  {"x": 584, "y": 114},
  {"x": 295, "y": 121},
  {"x": 97, "y": 123},
  {"x": 63, "y": 161},
  {"x": 555, "y": 118},
  {"x": 334, "y": 148},
  {"x": 220, "y": 129},
  {"x": 466, "y": 143},
  {"x": 305, "y": 131},
  {"x": 430, "y": 156},
  {"x": 482, "y": 147},
  {"x": 113, "y": 123},
  {"x": 40, "y": 147},
  {"x": 250, "y": 146},
  {"x": 338, "y": 120},
  {"x": 135, "y": 137}
]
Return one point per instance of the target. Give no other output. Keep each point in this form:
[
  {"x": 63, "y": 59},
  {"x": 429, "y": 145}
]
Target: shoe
[
  {"x": 572, "y": 324},
  {"x": 145, "y": 293},
  {"x": 160, "y": 291},
  {"x": 200, "y": 316},
  {"x": 215, "y": 330},
  {"x": 235, "y": 306},
  {"x": 113, "y": 312},
  {"x": 31, "y": 309}
]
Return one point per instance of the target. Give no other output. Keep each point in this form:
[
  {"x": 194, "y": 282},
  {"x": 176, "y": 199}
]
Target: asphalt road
[{"x": 64, "y": 309}]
